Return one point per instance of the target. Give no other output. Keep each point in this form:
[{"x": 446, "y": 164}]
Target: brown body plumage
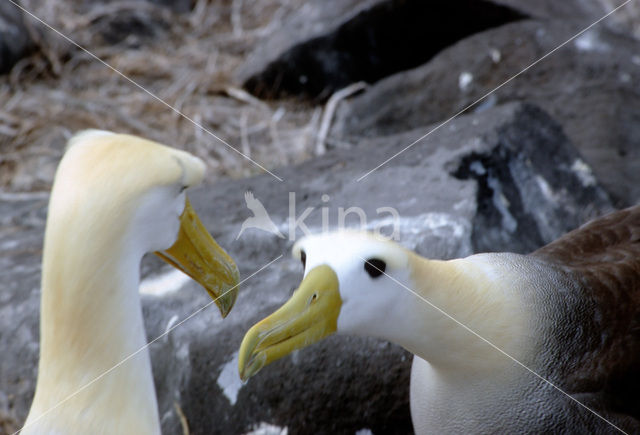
[{"x": 603, "y": 258}]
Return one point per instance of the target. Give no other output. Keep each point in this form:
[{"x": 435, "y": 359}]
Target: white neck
[
  {"x": 460, "y": 383},
  {"x": 91, "y": 320},
  {"x": 479, "y": 292}
]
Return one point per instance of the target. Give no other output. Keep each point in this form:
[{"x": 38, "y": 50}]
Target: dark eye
[
  {"x": 183, "y": 188},
  {"x": 303, "y": 258},
  {"x": 375, "y": 267}
]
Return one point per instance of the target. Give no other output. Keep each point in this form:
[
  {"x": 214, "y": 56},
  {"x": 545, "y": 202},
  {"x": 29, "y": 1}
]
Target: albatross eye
[
  {"x": 375, "y": 267},
  {"x": 183, "y": 188},
  {"x": 303, "y": 259}
]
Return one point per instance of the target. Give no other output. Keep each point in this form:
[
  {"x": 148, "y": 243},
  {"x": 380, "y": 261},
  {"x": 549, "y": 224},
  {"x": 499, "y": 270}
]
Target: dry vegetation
[{"x": 186, "y": 63}]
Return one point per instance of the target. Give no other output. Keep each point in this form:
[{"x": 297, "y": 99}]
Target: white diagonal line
[
  {"x": 97, "y": 378},
  {"x": 142, "y": 88},
  {"x": 493, "y": 346},
  {"x": 490, "y": 92}
]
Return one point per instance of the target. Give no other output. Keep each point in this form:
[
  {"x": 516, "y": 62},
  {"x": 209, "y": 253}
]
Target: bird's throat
[
  {"x": 465, "y": 309},
  {"x": 92, "y": 333}
]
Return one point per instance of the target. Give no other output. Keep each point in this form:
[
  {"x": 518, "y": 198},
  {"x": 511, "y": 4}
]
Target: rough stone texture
[
  {"x": 578, "y": 11},
  {"x": 583, "y": 12},
  {"x": 483, "y": 182},
  {"x": 389, "y": 36},
  {"x": 311, "y": 20},
  {"x": 322, "y": 47},
  {"x": 15, "y": 41},
  {"x": 589, "y": 86}
]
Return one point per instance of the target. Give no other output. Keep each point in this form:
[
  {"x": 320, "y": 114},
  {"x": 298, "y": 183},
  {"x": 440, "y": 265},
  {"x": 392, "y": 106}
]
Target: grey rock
[
  {"x": 588, "y": 86},
  {"x": 382, "y": 38},
  {"x": 483, "y": 182},
  {"x": 322, "y": 47},
  {"x": 583, "y": 12},
  {"x": 15, "y": 41},
  {"x": 311, "y": 20}
]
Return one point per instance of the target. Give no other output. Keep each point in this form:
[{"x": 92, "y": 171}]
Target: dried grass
[{"x": 188, "y": 64}]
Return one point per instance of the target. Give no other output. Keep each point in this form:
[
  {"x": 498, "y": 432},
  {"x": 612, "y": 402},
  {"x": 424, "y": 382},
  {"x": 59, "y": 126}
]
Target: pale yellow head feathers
[
  {"x": 380, "y": 289},
  {"x": 134, "y": 166},
  {"x": 115, "y": 197},
  {"x": 108, "y": 183}
]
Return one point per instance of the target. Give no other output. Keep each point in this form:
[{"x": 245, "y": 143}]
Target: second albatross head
[
  {"x": 347, "y": 287},
  {"x": 149, "y": 182}
]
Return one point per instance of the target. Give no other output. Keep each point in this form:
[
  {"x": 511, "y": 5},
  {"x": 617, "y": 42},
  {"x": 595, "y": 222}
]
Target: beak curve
[
  {"x": 198, "y": 255},
  {"x": 307, "y": 317}
]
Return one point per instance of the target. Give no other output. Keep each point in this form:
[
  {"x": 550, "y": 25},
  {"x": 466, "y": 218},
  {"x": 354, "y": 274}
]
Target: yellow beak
[
  {"x": 198, "y": 255},
  {"x": 310, "y": 315}
]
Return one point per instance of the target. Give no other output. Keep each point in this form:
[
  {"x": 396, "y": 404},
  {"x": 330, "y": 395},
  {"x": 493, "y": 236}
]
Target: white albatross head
[
  {"x": 357, "y": 283},
  {"x": 351, "y": 285},
  {"x": 115, "y": 197},
  {"x": 130, "y": 192}
]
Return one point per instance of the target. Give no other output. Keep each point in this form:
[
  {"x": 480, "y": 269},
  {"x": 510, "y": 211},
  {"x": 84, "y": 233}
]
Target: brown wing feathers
[
  {"x": 603, "y": 256},
  {"x": 613, "y": 239}
]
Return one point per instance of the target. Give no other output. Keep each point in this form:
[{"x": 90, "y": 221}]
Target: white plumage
[
  {"x": 115, "y": 197},
  {"x": 570, "y": 312}
]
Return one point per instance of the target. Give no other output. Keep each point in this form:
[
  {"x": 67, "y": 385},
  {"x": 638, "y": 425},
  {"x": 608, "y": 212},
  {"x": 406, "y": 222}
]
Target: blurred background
[{"x": 319, "y": 93}]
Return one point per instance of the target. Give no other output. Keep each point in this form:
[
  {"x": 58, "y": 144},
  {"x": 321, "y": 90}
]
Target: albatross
[
  {"x": 547, "y": 342},
  {"x": 115, "y": 197}
]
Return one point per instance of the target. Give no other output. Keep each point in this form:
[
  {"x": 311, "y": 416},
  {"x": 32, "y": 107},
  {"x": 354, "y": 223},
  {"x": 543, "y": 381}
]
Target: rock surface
[
  {"x": 370, "y": 40},
  {"x": 323, "y": 47},
  {"x": 483, "y": 182},
  {"x": 588, "y": 86},
  {"x": 313, "y": 19}
]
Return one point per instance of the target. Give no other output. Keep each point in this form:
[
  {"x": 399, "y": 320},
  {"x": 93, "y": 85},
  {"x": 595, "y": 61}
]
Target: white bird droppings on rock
[
  {"x": 502, "y": 204},
  {"x": 229, "y": 381},
  {"x": 589, "y": 41},
  {"x": 486, "y": 103},
  {"x": 465, "y": 80},
  {"x": 545, "y": 188},
  {"x": 9, "y": 244},
  {"x": 442, "y": 224},
  {"x": 478, "y": 168},
  {"x": 172, "y": 321},
  {"x": 268, "y": 429},
  {"x": 164, "y": 284},
  {"x": 495, "y": 55},
  {"x": 584, "y": 173}
]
